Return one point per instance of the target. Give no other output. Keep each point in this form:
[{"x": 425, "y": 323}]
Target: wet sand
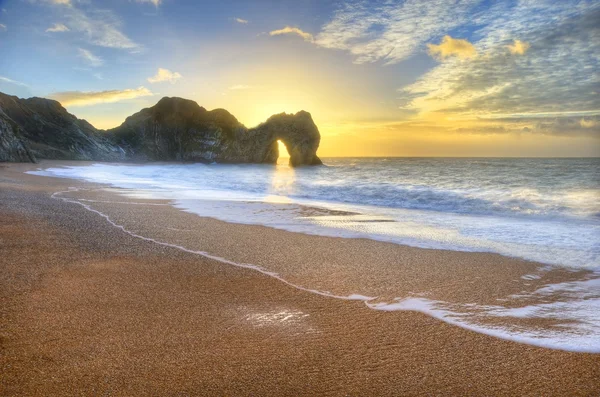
[{"x": 90, "y": 310}]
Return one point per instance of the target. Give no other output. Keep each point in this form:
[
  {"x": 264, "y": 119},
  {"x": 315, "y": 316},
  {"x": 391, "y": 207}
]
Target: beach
[{"x": 108, "y": 295}]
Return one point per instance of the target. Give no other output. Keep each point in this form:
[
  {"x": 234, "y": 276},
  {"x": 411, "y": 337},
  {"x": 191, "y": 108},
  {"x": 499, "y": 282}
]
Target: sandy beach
[{"x": 89, "y": 309}]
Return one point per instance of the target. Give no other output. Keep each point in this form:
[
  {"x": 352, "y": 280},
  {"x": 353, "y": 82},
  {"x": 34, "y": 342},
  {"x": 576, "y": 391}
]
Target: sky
[{"x": 380, "y": 78}]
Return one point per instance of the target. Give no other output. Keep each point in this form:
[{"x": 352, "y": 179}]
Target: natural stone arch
[{"x": 297, "y": 132}]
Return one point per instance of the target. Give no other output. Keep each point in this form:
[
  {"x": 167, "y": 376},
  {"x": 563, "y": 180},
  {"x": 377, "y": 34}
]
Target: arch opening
[{"x": 284, "y": 154}]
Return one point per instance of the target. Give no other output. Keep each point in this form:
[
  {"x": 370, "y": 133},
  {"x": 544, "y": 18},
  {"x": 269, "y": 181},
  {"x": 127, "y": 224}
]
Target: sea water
[{"x": 544, "y": 210}]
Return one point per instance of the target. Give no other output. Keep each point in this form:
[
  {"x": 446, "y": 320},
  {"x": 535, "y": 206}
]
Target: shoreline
[
  {"x": 417, "y": 304},
  {"x": 491, "y": 352},
  {"x": 518, "y": 222}
]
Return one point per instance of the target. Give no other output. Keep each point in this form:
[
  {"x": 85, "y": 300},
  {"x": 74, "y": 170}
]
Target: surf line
[
  {"x": 421, "y": 305},
  {"x": 58, "y": 196}
]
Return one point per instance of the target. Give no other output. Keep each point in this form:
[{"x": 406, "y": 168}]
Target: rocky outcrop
[
  {"x": 50, "y": 132},
  {"x": 12, "y": 147},
  {"x": 180, "y": 129},
  {"x": 297, "y": 131},
  {"x": 175, "y": 129}
]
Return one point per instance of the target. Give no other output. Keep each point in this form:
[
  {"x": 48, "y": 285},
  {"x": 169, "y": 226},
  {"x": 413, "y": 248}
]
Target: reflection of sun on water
[
  {"x": 284, "y": 156},
  {"x": 283, "y": 178}
]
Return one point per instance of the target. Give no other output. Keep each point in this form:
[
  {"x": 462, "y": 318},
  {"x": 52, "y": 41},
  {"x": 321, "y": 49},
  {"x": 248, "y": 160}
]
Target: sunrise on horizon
[
  {"x": 300, "y": 198},
  {"x": 414, "y": 78}
]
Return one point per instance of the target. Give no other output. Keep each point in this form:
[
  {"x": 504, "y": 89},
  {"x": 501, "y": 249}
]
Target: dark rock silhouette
[
  {"x": 176, "y": 129},
  {"x": 173, "y": 129},
  {"x": 50, "y": 132},
  {"x": 12, "y": 146},
  {"x": 297, "y": 131}
]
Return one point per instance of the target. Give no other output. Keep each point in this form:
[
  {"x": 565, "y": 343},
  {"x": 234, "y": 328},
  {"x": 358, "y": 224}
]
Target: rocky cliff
[
  {"x": 173, "y": 129},
  {"x": 180, "y": 129},
  {"x": 50, "y": 132},
  {"x": 12, "y": 146}
]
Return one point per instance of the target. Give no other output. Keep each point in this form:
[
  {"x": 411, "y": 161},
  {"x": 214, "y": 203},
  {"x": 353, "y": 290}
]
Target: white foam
[
  {"x": 557, "y": 228},
  {"x": 583, "y": 338}
]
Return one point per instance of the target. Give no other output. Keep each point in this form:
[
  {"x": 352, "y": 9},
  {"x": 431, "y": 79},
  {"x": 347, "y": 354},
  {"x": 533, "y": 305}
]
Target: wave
[{"x": 543, "y": 210}]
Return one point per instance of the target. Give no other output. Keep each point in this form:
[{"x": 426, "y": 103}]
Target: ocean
[{"x": 542, "y": 210}]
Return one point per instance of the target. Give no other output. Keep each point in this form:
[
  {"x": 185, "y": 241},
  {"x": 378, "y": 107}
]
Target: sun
[{"x": 283, "y": 152}]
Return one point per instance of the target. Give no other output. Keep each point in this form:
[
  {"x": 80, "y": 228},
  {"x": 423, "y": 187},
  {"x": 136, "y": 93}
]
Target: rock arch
[{"x": 297, "y": 132}]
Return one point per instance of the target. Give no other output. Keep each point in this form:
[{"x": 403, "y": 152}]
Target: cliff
[
  {"x": 50, "y": 132},
  {"x": 12, "y": 146},
  {"x": 180, "y": 129},
  {"x": 175, "y": 129}
]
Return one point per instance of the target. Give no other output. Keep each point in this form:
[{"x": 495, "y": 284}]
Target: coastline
[{"x": 98, "y": 310}]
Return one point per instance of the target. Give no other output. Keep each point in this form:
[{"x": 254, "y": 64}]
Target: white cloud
[
  {"x": 295, "y": 31},
  {"x": 58, "y": 27},
  {"x": 11, "y": 81},
  {"x": 101, "y": 28},
  {"x": 155, "y": 2},
  {"x": 240, "y": 20},
  {"x": 3, "y": 27},
  {"x": 164, "y": 75},
  {"x": 87, "y": 98},
  {"x": 67, "y": 3},
  {"x": 555, "y": 81},
  {"x": 391, "y": 31},
  {"x": 90, "y": 58}
]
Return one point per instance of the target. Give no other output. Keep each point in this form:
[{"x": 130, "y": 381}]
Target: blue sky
[{"x": 380, "y": 77}]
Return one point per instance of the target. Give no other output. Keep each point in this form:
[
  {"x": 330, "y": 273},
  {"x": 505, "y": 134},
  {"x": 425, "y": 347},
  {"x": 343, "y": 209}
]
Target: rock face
[
  {"x": 50, "y": 132},
  {"x": 179, "y": 129},
  {"x": 298, "y": 133},
  {"x": 12, "y": 147},
  {"x": 174, "y": 129}
]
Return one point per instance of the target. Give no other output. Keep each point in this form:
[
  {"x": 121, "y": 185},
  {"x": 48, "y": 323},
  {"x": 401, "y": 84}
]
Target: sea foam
[{"x": 553, "y": 220}]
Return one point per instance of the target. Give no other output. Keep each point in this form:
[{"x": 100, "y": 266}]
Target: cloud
[
  {"x": 289, "y": 30},
  {"x": 389, "y": 31},
  {"x": 452, "y": 47},
  {"x": 588, "y": 123},
  {"x": 155, "y": 2},
  {"x": 54, "y": 2},
  {"x": 240, "y": 20},
  {"x": 88, "y": 98},
  {"x": 485, "y": 130},
  {"x": 570, "y": 126},
  {"x": 99, "y": 27},
  {"x": 558, "y": 79},
  {"x": 90, "y": 58},
  {"x": 3, "y": 27},
  {"x": 518, "y": 47},
  {"x": 58, "y": 27},
  {"x": 164, "y": 75},
  {"x": 11, "y": 81}
]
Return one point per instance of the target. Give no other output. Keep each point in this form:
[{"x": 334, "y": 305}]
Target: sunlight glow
[{"x": 283, "y": 152}]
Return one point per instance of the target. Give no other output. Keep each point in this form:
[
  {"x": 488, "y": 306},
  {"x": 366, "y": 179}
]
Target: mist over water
[{"x": 545, "y": 210}]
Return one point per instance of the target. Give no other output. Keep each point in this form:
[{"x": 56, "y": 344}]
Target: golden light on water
[{"x": 283, "y": 181}]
